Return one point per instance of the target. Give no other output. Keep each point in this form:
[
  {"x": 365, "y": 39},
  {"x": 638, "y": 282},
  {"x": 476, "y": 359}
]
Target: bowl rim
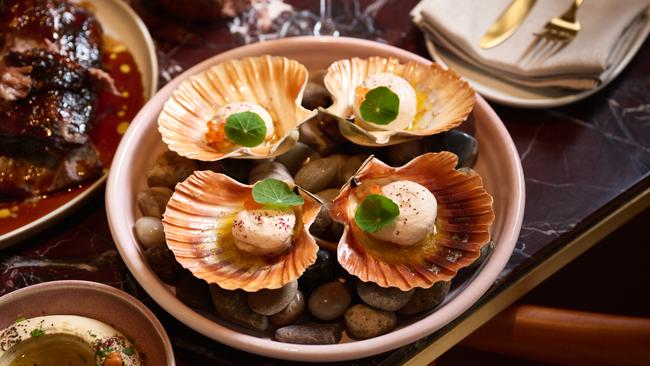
[
  {"x": 73, "y": 285},
  {"x": 268, "y": 347}
]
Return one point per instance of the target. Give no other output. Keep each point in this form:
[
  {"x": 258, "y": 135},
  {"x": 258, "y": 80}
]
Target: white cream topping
[
  {"x": 399, "y": 86},
  {"x": 417, "y": 213},
  {"x": 264, "y": 231},
  {"x": 229, "y": 109}
]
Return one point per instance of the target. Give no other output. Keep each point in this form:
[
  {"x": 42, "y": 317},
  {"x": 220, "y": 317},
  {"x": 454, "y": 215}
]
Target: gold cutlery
[
  {"x": 506, "y": 23},
  {"x": 556, "y": 34}
]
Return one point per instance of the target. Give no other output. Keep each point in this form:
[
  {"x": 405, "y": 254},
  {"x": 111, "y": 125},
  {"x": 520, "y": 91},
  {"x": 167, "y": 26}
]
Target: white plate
[
  {"x": 503, "y": 92},
  {"x": 498, "y": 163},
  {"x": 119, "y": 22}
]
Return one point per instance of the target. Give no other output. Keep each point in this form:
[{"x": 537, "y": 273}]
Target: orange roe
[
  {"x": 360, "y": 94},
  {"x": 250, "y": 204},
  {"x": 216, "y": 137}
]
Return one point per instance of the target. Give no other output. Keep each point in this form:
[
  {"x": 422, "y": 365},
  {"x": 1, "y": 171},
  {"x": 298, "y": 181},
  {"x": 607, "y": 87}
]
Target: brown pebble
[
  {"x": 232, "y": 306},
  {"x": 425, "y": 299},
  {"x": 329, "y": 301},
  {"x": 362, "y": 321},
  {"x": 291, "y": 312},
  {"x": 311, "y": 333},
  {"x": 387, "y": 299},
  {"x": 272, "y": 301}
]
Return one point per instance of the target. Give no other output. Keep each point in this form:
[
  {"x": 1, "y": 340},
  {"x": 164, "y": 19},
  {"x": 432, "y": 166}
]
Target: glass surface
[{"x": 274, "y": 19}]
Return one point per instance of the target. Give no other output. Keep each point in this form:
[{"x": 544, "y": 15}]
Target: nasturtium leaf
[
  {"x": 275, "y": 193},
  {"x": 380, "y": 106},
  {"x": 245, "y": 129},
  {"x": 375, "y": 212}
]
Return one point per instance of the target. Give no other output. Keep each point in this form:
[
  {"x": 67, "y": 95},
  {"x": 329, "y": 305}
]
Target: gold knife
[{"x": 506, "y": 23}]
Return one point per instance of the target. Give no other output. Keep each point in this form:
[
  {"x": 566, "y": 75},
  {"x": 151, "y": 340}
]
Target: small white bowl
[{"x": 96, "y": 301}]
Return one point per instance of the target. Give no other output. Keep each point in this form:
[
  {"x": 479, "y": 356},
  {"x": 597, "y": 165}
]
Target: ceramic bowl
[
  {"x": 498, "y": 163},
  {"x": 97, "y": 301}
]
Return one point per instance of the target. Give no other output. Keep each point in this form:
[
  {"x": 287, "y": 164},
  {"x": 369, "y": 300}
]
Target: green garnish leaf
[
  {"x": 380, "y": 106},
  {"x": 245, "y": 129},
  {"x": 36, "y": 332},
  {"x": 375, "y": 212},
  {"x": 128, "y": 351},
  {"x": 275, "y": 193},
  {"x": 20, "y": 319}
]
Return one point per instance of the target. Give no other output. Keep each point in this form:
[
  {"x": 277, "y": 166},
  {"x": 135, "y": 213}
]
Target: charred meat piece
[
  {"x": 54, "y": 25},
  {"x": 49, "y": 70},
  {"x": 56, "y": 120},
  {"x": 40, "y": 174},
  {"x": 15, "y": 82}
]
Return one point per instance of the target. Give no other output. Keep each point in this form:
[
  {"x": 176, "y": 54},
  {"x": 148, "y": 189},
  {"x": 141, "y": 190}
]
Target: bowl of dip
[{"x": 79, "y": 323}]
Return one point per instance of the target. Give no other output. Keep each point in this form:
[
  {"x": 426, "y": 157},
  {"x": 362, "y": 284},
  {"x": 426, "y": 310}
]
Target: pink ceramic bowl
[
  {"x": 97, "y": 301},
  {"x": 498, "y": 163}
]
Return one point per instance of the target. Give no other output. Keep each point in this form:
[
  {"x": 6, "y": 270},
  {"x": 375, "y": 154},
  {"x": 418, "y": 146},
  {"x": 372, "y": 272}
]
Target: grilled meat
[
  {"x": 50, "y": 58},
  {"x": 49, "y": 70},
  {"x": 53, "y": 121},
  {"x": 53, "y": 25},
  {"x": 40, "y": 174}
]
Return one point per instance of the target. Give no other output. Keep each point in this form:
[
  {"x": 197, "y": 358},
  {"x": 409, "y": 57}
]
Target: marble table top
[{"x": 581, "y": 162}]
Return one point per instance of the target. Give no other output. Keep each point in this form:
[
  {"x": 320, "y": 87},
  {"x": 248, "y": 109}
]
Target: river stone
[
  {"x": 328, "y": 195},
  {"x": 269, "y": 302},
  {"x": 168, "y": 169},
  {"x": 291, "y": 312},
  {"x": 296, "y": 156},
  {"x": 269, "y": 169},
  {"x": 236, "y": 169},
  {"x": 322, "y": 225},
  {"x": 153, "y": 201},
  {"x": 323, "y": 270},
  {"x": 387, "y": 299},
  {"x": 232, "y": 306},
  {"x": 193, "y": 291},
  {"x": 162, "y": 261},
  {"x": 362, "y": 321},
  {"x": 463, "y": 145},
  {"x": 329, "y": 301},
  {"x": 150, "y": 231},
  {"x": 312, "y": 134},
  {"x": 310, "y": 333},
  {"x": 315, "y": 96},
  {"x": 318, "y": 174},
  {"x": 425, "y": 299},
  {"x": 400, "y": 154},
  {"x": 350, "y": 166}
]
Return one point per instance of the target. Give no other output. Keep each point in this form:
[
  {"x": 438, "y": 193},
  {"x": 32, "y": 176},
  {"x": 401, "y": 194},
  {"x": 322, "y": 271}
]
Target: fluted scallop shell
[
  {"x": 444, "y": 99},
  {"x": 198, "y": 222},
  {"x": 462, "y": 226},
  {"x": 275, "y": 83}
]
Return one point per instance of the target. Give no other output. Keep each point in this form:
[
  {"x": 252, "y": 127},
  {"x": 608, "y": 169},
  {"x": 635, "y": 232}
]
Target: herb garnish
[
  {"x": 375, "y": 212},
  {"x": 20, "y": 319},
  {"x": 36, "y": 332},
  {"x": 275, "y": 193},
  {"x": 380, "y": 106},
  {"x": 245, "y": 129}
]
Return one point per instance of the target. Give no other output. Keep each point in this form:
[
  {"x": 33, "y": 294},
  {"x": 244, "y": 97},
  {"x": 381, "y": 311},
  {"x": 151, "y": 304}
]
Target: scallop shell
[
  {"x": 198, "y": 222},
  {"x": 445, "y": 100},
  {"x": 462, "y": 226},
  {"x": 275, "y": 83}
]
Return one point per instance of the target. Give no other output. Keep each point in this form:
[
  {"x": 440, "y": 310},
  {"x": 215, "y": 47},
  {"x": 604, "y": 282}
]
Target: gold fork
[{"x": 556, "y": 34}]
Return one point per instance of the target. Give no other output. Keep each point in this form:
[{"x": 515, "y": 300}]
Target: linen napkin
[{"x": 608, "y": 29}]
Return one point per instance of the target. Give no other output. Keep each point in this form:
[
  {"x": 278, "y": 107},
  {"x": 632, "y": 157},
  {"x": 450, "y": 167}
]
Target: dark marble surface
[{"x": 580, "y": 163}]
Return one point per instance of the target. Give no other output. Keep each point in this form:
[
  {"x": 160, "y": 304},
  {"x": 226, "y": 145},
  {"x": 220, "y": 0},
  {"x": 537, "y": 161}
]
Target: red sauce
[{"x": 112, "y": 116}]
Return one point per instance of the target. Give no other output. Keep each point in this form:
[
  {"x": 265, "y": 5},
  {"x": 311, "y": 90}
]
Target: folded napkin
[{"x": 608, "y": 29}]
